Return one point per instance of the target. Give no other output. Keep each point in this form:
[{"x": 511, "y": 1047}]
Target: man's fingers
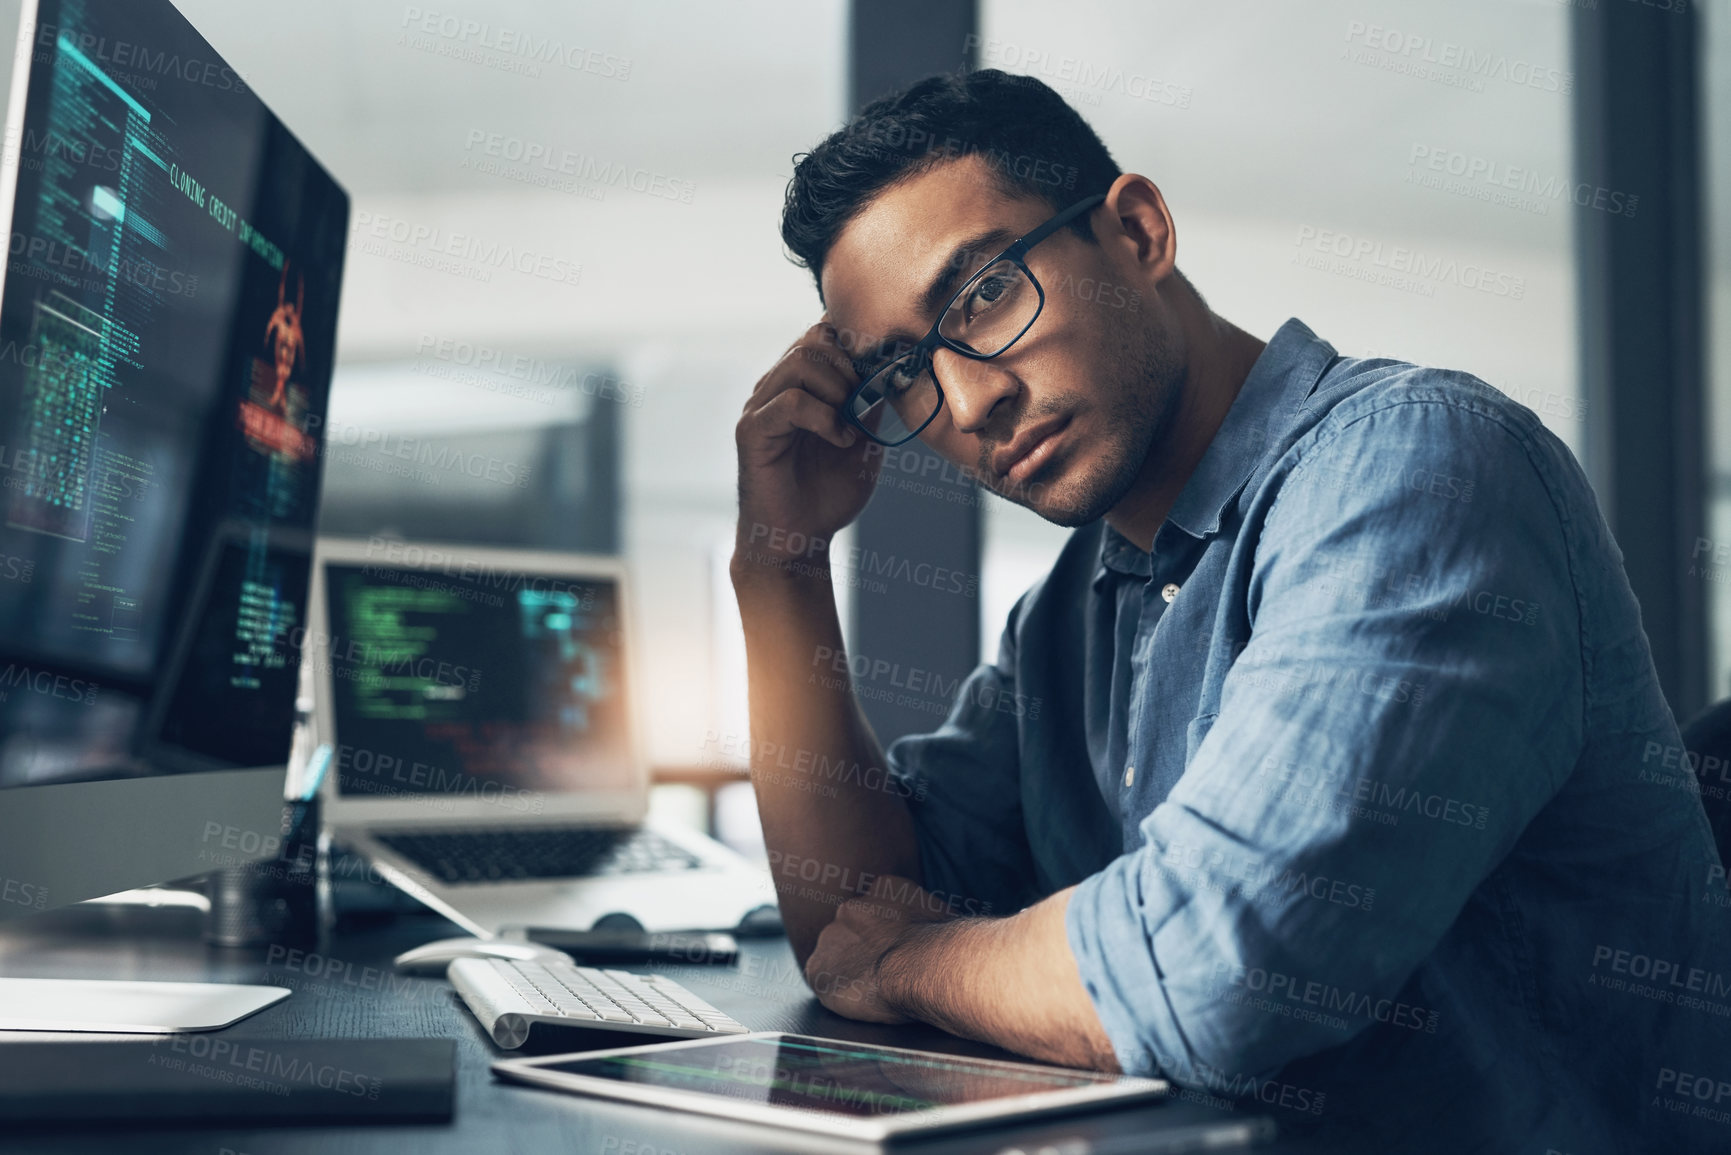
[
  {"x": 823, "y": 347},
  {"x": 834, "y": 943},
  {"x": 827, "y": 374},
  {"x": 820, "y": 331},
  {"x": 797, "y": 409},
  {"x": 814, "y": 362},
  {"x": 857, "y": 910}
]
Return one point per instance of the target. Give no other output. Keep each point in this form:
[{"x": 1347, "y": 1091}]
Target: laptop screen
[{"x": 475, "y": 684}]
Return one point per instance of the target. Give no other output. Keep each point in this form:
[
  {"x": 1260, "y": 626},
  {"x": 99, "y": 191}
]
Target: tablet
[{"x": 853, "y": 1090}]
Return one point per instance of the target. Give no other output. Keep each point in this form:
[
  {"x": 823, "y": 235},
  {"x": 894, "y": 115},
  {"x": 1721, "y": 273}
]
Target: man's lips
[{"x": 1029, "y": 440}]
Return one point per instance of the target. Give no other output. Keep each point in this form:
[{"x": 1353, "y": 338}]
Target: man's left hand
[{"x": 845, "y": 970}]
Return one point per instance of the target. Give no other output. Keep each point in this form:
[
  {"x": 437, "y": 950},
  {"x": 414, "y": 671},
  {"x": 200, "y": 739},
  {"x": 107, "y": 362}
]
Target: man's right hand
[
  {"x": 804, "y": 470},
  {"x": 804, "y": 473}
]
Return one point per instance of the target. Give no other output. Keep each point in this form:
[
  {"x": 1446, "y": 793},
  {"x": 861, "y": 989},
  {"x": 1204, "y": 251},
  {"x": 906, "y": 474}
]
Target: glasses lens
[
  {"x": 995, "y": 308},
  {"x": 896, "y": 402}
]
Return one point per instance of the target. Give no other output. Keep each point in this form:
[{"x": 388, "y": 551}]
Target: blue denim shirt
[{"x": 1378, "y": 815}]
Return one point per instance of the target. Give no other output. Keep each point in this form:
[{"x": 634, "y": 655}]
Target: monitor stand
[{"x": 128, "y": 1006}]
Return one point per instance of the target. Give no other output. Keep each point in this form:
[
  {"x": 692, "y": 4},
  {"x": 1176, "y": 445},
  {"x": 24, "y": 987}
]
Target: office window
[
  {"x": 429, "y": 451},
  {"x": 1394, "y": 174},
  {"x": 564, "y": 245},
  {"x": 1711, "y": 559}
]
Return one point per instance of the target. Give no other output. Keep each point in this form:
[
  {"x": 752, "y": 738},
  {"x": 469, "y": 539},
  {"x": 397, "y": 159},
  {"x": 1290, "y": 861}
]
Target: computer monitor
[{"x": 168, "y": 311}]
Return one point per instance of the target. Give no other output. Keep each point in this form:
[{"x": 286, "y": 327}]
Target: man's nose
[{"x": 972, "y": 389}]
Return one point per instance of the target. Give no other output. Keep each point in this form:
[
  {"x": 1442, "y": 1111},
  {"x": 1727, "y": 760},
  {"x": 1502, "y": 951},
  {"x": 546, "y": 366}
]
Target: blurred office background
[{"x": 610, "y": 373}]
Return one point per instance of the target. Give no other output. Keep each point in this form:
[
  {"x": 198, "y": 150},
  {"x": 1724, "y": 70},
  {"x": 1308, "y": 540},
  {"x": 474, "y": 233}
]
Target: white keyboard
[{"x": 511, "y": 997}]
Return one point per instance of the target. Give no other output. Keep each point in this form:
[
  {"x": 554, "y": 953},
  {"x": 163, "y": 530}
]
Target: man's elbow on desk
[{"x": 1012, "y": 981}]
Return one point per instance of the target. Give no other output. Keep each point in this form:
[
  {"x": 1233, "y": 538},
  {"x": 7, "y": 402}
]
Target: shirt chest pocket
[{"x": 1195, "y": 732}]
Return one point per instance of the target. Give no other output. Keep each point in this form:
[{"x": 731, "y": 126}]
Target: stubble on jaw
[{"x": 1140, "y": 415}]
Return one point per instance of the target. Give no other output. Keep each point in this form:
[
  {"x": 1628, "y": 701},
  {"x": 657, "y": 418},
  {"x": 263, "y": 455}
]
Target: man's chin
[
  {"x": 1067, "y": 516},
  {"x": 1071, "y": 516},
  {"x": 1074, "y": 497},
  {"x": 1058, "y": 505}
]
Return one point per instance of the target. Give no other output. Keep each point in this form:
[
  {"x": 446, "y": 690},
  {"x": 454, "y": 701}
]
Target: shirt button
[
  {"x": 1169, "y": 591},
  {"x": 1129, "y": 776}
]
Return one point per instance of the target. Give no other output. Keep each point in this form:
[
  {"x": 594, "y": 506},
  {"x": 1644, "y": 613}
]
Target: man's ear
[{"x": 1137, "y": 223}]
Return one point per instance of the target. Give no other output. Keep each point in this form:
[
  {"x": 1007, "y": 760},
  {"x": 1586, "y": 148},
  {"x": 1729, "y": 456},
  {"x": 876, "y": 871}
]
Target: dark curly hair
[{"x": 1035, "y": 144}]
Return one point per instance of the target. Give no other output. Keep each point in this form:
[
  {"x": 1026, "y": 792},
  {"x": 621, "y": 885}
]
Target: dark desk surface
[{"x": 349, "y": 990}]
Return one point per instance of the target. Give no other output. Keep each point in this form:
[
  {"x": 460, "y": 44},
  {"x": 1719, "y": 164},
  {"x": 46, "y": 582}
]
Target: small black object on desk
[
  {"x": 209, "y": 1077},
  {"x": 638, "y": 947},
  {"x": 278, "y": 900}
]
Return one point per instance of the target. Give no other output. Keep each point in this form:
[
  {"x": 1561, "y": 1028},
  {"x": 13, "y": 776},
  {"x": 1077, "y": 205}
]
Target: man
[{"x": 1352, "y": 791}]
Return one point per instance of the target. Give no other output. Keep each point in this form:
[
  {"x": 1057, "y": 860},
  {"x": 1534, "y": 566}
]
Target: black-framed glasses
[{"x": 988, "y": 314}]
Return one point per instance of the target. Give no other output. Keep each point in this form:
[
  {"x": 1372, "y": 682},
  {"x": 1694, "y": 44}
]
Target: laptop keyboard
[{"x": 506, "y": 855}]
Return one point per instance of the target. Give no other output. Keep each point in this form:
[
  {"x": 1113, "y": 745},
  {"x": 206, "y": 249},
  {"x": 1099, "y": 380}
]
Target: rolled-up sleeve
[
  {"x": 1408, "y": 698},
  {"x": 963, "y": 787}
]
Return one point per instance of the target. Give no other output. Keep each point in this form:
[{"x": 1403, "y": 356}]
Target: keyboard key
[
  {"x": 575, "y": 1009},
  {"x": 720, "y": 1023},
  {"x": 697, "y": 1004},
  {"x": 477, "y": 856},
  {"x": 688, "y": 1022}
]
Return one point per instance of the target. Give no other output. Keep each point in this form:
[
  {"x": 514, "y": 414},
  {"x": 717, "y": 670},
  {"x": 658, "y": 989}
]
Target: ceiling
[
  {"x": 1280, "y": 108},
  {"x": 692, "y": 90}
]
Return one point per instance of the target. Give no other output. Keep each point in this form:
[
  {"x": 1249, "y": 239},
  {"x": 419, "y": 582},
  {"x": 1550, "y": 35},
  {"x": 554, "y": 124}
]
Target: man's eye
[
  {"x": 988, "y": 293},
  {"x": 901, "y": 376}
]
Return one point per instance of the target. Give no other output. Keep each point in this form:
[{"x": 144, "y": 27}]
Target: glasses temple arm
[{"x": 1021, "y": 247}]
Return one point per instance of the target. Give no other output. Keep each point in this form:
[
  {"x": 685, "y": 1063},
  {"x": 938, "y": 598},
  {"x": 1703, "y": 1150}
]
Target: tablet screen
[{"x": 835, "y": 1078}]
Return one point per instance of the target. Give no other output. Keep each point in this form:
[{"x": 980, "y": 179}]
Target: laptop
[{"x": 486, "y": 750}]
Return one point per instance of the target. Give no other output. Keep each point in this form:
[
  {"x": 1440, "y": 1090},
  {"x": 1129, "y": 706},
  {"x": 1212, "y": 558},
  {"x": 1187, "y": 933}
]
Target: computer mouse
[
  {"x": 432, "y": 958},
  {"x": 617, "y": 921},
  {"x": 760, "y": 922}
]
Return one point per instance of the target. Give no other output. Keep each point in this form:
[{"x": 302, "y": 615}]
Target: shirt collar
[{"x": 1282, "y": 377}]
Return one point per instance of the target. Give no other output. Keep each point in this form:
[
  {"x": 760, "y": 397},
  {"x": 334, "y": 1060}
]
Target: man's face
[{"x": 1064, "y": 421}]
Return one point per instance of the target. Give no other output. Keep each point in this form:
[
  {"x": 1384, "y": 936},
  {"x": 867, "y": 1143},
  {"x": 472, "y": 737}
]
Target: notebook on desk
[{"x": 481, "y": 707}]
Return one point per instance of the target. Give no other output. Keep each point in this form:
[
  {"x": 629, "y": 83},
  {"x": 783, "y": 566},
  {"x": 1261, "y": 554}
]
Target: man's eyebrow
[
  {"x": 960, "y": 264},
  {"x": 957, "y": 266}
]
